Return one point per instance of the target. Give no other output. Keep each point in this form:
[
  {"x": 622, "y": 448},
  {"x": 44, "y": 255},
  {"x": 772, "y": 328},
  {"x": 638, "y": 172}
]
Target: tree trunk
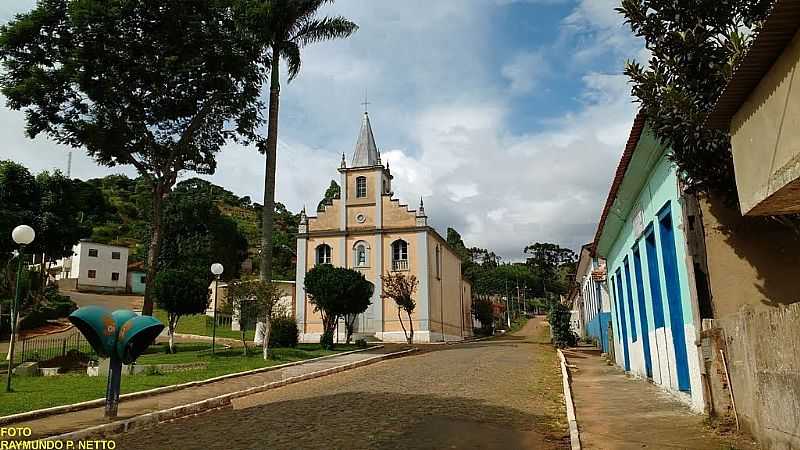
[
  {"x": 269, "y": 177},
  {"x": 411, "y": 327},
  {"x": 173, "y": 323},
  {"x": 405, "y": 333},
  {"x": 267, "y": 327},
  {"x": 153, "y": 249},
  {"x": 244, "y": 342}
]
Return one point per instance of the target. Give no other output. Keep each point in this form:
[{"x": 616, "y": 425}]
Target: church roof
[{"x": 366, "y": 152}]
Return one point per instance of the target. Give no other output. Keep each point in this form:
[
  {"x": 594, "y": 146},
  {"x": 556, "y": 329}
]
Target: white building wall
[{"x": 103, "y": 265}]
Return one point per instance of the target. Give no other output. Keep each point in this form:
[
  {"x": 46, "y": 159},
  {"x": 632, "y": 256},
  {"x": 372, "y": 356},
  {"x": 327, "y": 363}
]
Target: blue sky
[{"x": 507, "y": 116}]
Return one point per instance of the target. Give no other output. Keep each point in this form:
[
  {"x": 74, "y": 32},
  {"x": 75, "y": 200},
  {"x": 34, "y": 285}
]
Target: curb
[
  {"x": 39, "y": 413},
  {"x": 221, "y": 401},
  {"x": 574, "y": 433}
]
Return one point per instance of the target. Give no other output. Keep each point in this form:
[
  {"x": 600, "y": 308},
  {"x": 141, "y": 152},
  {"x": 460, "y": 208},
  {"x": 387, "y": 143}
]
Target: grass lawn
[
  {"x": 200, "y": 324},
  {"x": 32, "y": 393}
]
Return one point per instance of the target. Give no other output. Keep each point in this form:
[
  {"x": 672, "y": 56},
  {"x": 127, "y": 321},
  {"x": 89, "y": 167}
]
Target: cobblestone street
[{"x": 504, "y": 393}]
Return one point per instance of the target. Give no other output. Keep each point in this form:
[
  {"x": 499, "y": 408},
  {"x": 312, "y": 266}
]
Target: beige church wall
[
  {"x": 328, "y": 219},
  {"x": 765, "y": 137},
  {"x": 370, "y": 175},
  {"x": 354, "y": 211},
  {"x": 466, "y": 289},
  {"x": 446, "y": 311},
  {"x": 336, "y": 255},
  {"x": 391, "y": 323},
  {"x": 395, "y": 215}
]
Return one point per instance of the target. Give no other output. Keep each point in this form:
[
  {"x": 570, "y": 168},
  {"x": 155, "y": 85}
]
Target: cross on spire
[{"x": 365, "y": 103}]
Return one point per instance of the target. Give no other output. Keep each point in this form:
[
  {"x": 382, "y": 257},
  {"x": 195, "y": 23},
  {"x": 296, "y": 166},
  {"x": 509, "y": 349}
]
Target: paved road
[
  {"x": 109, "y": 301},
  {"x": 495, "y": 394}
]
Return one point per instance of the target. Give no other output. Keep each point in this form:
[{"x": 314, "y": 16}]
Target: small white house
[{"x": 99, "y": 267}]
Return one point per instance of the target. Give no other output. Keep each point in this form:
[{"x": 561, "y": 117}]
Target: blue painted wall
[
  {"x": 137, "y": 286},
  {"x": 598, "y": 329}
]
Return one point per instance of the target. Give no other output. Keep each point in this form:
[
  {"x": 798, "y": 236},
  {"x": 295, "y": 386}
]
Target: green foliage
[
  {"x": 49, "y": 203},
  {"x": 334, "y": 191},
  {"x": 693, "y": 47},
  {"x": 158, "y": 86},
  {"x": 361, "y": 343},
  {"x": 483, "y": 312},
  {"x": 48, "y": 306},
  {"x": 337, "y": 292},
  {"x": 559, "y": 319},
  {"x": 181, "y": 293},
  {"x": 197, "y": 235},
  {"x": 283, "y": 332}
]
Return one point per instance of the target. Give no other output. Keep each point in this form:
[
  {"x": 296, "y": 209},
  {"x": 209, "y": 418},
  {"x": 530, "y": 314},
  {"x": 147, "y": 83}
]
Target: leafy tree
[
  {"x": 160, "y": 86},
  {"x": 483, "y": 312},
  {"x": 548, "y": 260},
  {"x": 337, "y": 292},
  {"x": 693, "y": 46},
  {"x": 357, "y": 297},
  {"x": 334, "y": 191},
  {"x": 283, "y": 27},
  {"x": 400, "y": 288},
  {"x": 197, "y": 235},
  {"x": 256, "y": 302},
  {"x": 180, "y": 293}
]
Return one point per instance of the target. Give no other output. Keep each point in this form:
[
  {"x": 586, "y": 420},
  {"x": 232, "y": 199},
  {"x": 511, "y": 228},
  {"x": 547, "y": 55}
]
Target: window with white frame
[
  {"x": 399, "y": 255},
  {"x": 361, "y": 187},
  {"x": 115, "y": 255},
  {"x": 323, "y": 254},
  {"x": 93, "y": 252},
  {"x": 114, "y": 276}
]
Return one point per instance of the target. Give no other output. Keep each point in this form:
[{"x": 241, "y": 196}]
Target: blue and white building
[
  {"x": 593, "y": 299},
  {"x": 653, "y": 305}
]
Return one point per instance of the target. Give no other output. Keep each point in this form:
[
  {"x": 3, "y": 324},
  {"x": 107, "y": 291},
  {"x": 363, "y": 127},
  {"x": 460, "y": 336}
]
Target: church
[{"x": 368, "y": 230}]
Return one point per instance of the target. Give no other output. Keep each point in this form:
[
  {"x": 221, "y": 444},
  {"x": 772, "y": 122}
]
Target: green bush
[
  {"x": 361, "y": 343},
  {"x": 283, "y": 332},
  {"x": 326, "y": 340},
  {"x": 559, "y": 319}
]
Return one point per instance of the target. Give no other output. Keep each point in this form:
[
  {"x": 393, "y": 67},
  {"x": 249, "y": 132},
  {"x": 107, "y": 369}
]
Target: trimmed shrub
[{"x": 283, "y": 332}]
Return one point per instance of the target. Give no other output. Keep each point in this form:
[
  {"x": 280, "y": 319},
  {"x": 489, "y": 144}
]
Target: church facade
[{"x": 368, "y": 230}]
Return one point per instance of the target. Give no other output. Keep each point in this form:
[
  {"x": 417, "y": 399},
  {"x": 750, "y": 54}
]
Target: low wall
[{"x": 764, "y": 368}]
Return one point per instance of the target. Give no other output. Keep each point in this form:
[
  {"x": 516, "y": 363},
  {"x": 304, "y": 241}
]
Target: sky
[{"x": 507, "y": 116}]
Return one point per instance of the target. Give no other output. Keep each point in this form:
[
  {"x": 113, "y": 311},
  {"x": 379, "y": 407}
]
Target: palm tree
[{"x": 282, "y": 28}]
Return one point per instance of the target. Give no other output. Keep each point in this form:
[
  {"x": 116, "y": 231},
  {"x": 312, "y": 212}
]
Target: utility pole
[
  {"x": 508, "y": 311},
  {"x": 524, "y": 303}
]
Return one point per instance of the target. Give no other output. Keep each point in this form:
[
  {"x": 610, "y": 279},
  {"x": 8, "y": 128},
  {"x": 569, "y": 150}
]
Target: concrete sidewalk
[
  {"x": 615, "y": 411},
  {"x": 72, "y": 421}
]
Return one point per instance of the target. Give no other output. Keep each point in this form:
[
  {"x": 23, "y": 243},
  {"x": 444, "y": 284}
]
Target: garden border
[{"x": 39, "y": 413}]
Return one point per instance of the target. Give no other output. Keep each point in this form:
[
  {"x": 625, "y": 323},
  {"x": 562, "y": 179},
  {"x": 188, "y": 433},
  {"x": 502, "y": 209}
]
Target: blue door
[
  {"x": 637, "y": 270},
  {"x": 621, "y": 311},
  {"x": 672, "y": 281},
  {"x": 629, "y": 295}
]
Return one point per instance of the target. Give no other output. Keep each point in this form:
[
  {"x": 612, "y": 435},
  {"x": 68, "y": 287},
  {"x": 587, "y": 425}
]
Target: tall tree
[
  {"x": 160, "y": 86},
  {"x": 694, "y": 47},
  {"x": 284, "y": 27}
]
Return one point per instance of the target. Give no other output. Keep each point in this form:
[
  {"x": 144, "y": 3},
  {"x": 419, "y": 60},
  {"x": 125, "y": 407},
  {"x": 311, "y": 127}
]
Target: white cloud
[{"x": 525, "y": 71}]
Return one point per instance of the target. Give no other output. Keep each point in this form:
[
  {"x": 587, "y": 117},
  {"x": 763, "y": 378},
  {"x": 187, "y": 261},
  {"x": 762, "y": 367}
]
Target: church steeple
[{"x": 366, "y": 152}]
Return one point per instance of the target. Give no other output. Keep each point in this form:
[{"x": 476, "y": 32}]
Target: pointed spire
[
  {"x": 366, "y": 152},
  {"x": 343, "y": 165},
  {"x": 421, "y": 209}
]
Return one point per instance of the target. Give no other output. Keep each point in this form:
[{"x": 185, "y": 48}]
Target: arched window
[
  {"x": 361, "y": 187},
  {"x": 399, "y": 255},
  {"x": 361, "y": 254},
  {"x": 323, "y": 254}
]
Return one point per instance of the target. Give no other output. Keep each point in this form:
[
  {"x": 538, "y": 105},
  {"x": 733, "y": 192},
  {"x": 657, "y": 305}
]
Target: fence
[
  {"x": 223, "y": 320},
  {"x": 46, "y": 348}
]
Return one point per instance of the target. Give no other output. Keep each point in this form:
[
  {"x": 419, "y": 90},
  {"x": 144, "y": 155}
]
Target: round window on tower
[{"x": 361, "y": 218}]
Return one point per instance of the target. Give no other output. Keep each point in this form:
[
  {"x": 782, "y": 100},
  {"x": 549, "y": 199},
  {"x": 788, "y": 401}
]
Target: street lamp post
[
  {"x": 217, "y": 270},
  {"x": 22, "y": 236}
]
